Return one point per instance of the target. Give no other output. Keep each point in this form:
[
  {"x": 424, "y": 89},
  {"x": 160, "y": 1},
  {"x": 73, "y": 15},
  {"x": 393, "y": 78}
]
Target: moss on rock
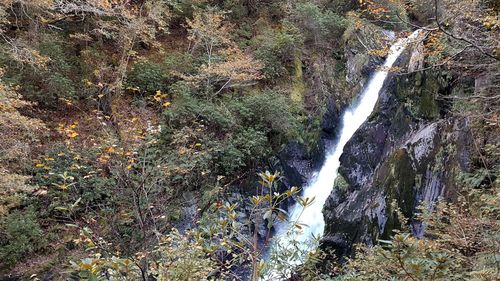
[
  {"x": 399, "y": 183},
  {"x": 298, "y": 84},
  {"x": 418, "y": 93}
]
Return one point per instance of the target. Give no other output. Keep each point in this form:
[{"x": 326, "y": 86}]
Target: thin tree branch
[
  {"x": 415, "y": 25},
  {"x": 436, "y": 65},
  {"x": 441, "y": 28}
]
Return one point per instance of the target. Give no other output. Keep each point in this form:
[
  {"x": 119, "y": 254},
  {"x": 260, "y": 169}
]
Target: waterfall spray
[{"x": 321, "y": 185}]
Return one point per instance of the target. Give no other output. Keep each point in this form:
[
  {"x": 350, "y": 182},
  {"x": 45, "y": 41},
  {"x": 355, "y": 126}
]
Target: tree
[
  {"x": 123, "y": 21},
  {"x": 323, "y": 27},
  {"x": 225, "y": 65}
]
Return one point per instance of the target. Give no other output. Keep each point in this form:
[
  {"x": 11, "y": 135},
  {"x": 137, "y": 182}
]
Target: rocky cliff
[
  {"x": 332, "y": 84},
  {"x": 408, "y": 152}
]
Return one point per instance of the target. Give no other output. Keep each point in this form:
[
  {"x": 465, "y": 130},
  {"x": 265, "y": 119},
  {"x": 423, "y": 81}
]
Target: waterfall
[{"x": 321, "y": 185}]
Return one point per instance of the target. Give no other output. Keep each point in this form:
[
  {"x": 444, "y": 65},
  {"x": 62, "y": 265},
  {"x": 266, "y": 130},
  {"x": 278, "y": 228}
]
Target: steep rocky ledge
[
  {"x": 336, "y": 93},
  {"x": 407, "y": 152}
]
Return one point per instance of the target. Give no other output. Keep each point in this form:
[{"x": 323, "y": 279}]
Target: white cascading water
[{"x": 322, "y": 183}]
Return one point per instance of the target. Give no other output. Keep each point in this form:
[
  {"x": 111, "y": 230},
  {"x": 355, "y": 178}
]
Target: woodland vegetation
[{"x": 128, "y": 126}]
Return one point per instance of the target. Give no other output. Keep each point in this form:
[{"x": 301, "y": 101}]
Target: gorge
[
  {"x": 321, "y": 184},
  {"x": 322, "y": 140}
]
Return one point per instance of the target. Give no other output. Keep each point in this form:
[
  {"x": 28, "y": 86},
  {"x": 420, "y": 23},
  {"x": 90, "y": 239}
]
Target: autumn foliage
[{"x": 135, "y": 135}]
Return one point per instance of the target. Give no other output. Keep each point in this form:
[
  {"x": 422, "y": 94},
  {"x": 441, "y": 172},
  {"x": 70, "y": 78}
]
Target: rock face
[
  {"x": 296, "y": 164},
  {"x": 358, "y": 45},
  {"x": 408, "y": 151},
  {"x": 331, "y": 121},
  {"x": 323, "y": 85},
  {"x": 405, "y": 153}
]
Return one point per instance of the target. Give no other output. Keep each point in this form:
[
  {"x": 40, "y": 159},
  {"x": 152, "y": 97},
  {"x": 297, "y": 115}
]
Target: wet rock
[
  {"x": 355, "y": 64},
  {"x": 296, "y": 163},
  {"x": 420, "y": 170},
  {"x": 358, "y": 44},
  {"x": 188, "y": 212},
  {"x": 331, "y": 121}
]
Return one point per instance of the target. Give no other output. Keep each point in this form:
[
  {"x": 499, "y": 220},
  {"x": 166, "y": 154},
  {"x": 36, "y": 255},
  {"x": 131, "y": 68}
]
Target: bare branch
[{"x": 440, "y": 27}]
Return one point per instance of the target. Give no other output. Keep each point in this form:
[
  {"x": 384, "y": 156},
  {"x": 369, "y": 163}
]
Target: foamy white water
[{"x": 321, "y": 185}]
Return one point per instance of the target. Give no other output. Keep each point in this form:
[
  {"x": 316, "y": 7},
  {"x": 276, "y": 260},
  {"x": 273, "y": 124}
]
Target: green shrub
[
  {"x": 276, "y": 50},
  {"x": 183, "y": 9},
  {"x": 245, "y": 147},
  {"x": 189, "y": 110},
  {"x": 224, "y": 137},
  {"x": 52, "y": 84},
  {"x": 59, "y": 60},
  {"x": 148, "y": 77},
  {"x": 21, "y": 236},
  {"x": 180, "y": 63},
  {"x": 47, "y": 88},
  {"x": 319, "y": 25},
  {"x": 343, "y": 6},
  {"x": 56, "y": 83},
  {"x": 59, "y": 86},
  {"x": 70, "y": 177},
  {"x": 270, "y": 112},
  {"x": 237, "y": 7}
]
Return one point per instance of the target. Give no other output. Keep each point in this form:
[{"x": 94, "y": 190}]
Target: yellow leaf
[
  {"x": 85, "y": 266},
  {"x": 88, "y": 83},
  {"x": 73, "y": 134}
]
